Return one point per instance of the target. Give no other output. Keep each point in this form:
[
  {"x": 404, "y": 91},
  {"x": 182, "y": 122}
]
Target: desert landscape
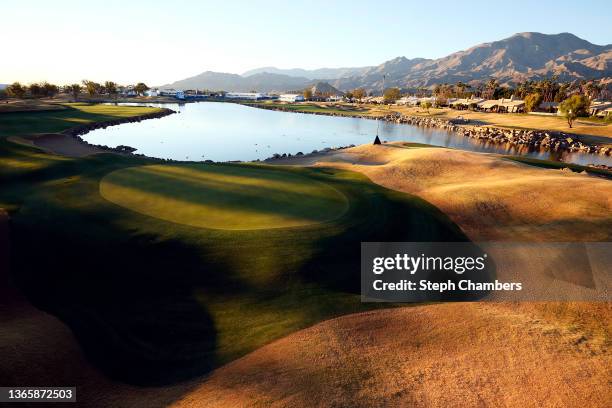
[
  {"x": 552, "y": 342},
  {"x": 321, "y": 204}
]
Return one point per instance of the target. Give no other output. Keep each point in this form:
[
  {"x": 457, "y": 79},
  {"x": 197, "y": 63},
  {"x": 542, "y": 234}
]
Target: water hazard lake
[{"x": 228, "y": 131}]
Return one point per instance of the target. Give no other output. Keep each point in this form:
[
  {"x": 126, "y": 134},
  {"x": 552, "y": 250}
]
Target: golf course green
[
  {"x": 224, "y": 197},
  {"x": 166, "y": 271},
  {"x": 73, "y": 114}
]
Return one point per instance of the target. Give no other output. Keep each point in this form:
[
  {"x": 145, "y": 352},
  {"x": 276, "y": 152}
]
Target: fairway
[
  {"x": 152, "y": 301},
  {"x": 164, "y": 272},
  {"x": 226, "y": 197},
  {"x": 74, "y": 114}
]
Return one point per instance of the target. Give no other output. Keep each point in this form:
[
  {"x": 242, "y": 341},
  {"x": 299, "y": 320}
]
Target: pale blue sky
[{"x": 162, "y": 41}]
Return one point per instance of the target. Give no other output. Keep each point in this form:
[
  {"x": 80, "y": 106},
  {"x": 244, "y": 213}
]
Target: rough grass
[
  {"x": 224, "y": 197},
  {"x": 549, "y": 164},
  {"x": 445, "y": 355},
  {"x": 325, "y": 108},
  {"x": 590, "y": 130},
  {"x": 153, "y": 301},
  {"x": 23, "y": 123},
  {"x": 490, "y": 197}
]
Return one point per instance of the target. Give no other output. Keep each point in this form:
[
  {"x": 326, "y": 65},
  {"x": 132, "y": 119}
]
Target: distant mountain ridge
[
  {"x": 519, "y": 57},
  {"x": 261, "y": 82},
  {"x": 323, "y": 88},
  {"x": 328, "y": 73},
  {"x": 522, "y": 56}
]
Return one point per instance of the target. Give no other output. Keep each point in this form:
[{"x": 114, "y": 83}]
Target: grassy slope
[
  {"x": 549, "y": 164},
  {"x": 591, "y": 130},
  {"x": 317, "y": 108},
  {"x": 153, "y": 301},
  {"x": 490, "y": 197},
  {"x": 22, "y": 123},
  {"x": 15, "y": 160},
  {"x": 225, "y": 197}
]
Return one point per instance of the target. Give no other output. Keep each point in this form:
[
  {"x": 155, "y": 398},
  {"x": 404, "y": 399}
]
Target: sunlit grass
[
  {"x": 23, "y": 123},
  {"x": 156, "y": 301},
  {"x": 223, "y": 197}
]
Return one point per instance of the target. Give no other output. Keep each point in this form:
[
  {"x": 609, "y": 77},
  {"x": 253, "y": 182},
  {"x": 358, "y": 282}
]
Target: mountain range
[
  {"x": 522, "y": 56},
  {"x": 328, "y": 73}
]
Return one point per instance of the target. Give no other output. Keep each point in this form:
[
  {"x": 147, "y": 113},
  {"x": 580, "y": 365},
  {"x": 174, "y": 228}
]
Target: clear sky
[{"x": 162, "y": 41}]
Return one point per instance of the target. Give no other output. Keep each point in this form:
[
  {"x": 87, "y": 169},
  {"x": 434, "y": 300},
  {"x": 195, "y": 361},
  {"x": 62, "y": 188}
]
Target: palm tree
[
  {"x": 491, "y": 87},
  {"x": 460, "y": 86}
]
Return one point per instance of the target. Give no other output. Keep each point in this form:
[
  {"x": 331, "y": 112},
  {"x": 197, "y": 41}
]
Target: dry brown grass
[
  {"x": 29, "y": 105},
  {"x": 489, "y": 197},
  {"x": 593, "y": 131},
  {"x": 456, "y": 354},
  {"x": 58, "y": 143},
  {"x": 589, "y": 130},
  {"x": 467, "y": 354}
]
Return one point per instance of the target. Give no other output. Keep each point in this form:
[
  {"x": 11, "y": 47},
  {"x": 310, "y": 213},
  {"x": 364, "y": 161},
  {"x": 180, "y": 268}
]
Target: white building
[
  {"x": 465, "y": 103},
  {"x": 151, "y": 92},
  {"x": 291, "y": 98},
  {"x": 408, "y": 100},
  {"x": 334, "y": 98},
  {"x": 598, "y": 106},
  {"x": 245, "y": 95},
  {"x": 167, "y": 92}
]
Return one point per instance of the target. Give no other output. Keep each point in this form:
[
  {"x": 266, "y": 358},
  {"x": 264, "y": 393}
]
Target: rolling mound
[
  {"x": 489, "y": 197},
  {"x": 459, "y": 354},
  {"x": 154, "y": 302}
]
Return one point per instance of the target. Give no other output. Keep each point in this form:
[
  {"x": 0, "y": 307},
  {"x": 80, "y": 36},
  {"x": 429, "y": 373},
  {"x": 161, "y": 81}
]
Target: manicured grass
[
  {"x": 346, "y": 110},
  {"x": 22, "y": 123},
  {"x": 549, "y": 164},
  {"x": 224, "y": 197},
  {"x": 153, "y": 301},
  {"x": 591, "y": 130}
]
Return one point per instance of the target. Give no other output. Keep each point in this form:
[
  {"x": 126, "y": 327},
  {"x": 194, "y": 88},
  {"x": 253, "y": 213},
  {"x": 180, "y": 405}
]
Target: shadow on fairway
[
  {"x": 386, "y": 216},
  {"x": 129, "y": 303},
  {"x": 153, "y": 302}
]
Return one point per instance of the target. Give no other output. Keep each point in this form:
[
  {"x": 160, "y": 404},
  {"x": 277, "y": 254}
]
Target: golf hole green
[{"x": 230, "y": 197}]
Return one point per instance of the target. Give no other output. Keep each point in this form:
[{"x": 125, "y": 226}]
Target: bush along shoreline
[
  {"x": 542, "y": 139},
  {"x": 77, "y": 131}
]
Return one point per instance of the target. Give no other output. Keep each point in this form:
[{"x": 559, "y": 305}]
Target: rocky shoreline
[
  {"x": 547, "y": 140},
  {"x": 77, "y": 131},
  {"x": 557, "y": 141}
]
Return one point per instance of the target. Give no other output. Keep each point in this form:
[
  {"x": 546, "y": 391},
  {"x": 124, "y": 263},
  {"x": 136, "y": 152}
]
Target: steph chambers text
[{"x": 462, "y": 285}]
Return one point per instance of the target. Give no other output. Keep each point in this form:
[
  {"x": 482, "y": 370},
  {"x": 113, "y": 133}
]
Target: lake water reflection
[{"x": 228, "y": 131}]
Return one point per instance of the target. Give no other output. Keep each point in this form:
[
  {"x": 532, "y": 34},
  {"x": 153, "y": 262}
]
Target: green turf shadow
[{"x": 155, "y": 302}]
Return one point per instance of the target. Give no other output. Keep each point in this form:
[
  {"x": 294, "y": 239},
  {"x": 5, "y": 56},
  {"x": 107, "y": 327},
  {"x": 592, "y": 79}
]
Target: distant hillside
[
  {"x": 323, "y": 88},
  {"x": 328, "y": 73},
  {"x": 262, "y": 82},
  {"x": 522, "y": 56}
]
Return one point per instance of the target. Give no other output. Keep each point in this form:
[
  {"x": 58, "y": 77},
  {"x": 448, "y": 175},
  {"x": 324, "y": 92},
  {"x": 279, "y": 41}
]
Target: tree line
[
  {"x": 534, "y": 92},
  {"x": 573, "y": 98},
  {"x": 358, "y": 94},
  {"x": 550, "y": 89},
  {"x": 91, "y": 88}
]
